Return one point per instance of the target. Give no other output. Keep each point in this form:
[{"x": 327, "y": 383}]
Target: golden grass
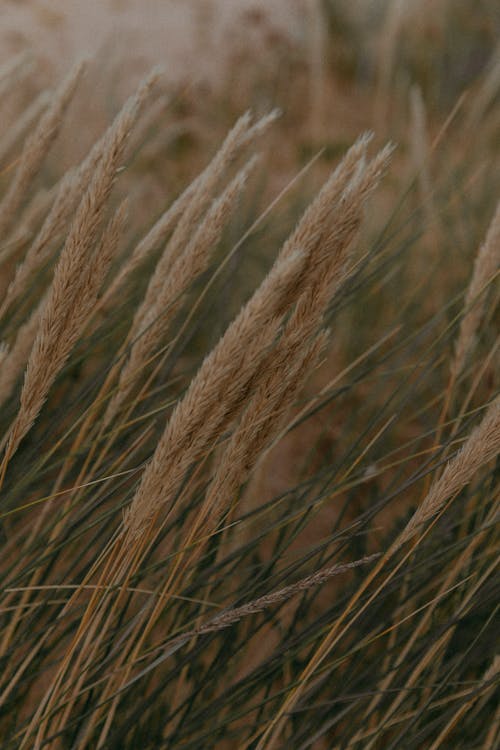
[{"x": 154, "y": 593}]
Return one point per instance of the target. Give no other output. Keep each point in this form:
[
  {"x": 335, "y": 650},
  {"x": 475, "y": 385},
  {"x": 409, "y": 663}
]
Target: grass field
[{"x": 250, "y": 419}]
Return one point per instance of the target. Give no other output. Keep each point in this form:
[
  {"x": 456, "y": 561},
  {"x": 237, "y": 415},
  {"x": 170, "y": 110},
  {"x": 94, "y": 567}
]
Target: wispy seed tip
[{"x": 365, "y": 138}]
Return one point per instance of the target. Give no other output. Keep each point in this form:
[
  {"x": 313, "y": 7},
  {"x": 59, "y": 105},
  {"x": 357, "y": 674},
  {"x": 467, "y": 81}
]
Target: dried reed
[
  {"x": 73, "y": 294},
  {"x": 486, "y": 267},
  {"x": 200, "y": 197},
  {"x": 277, "y": 293},
  {"x": 154, "y": 317},
  {"x": 481, "y": 447}
]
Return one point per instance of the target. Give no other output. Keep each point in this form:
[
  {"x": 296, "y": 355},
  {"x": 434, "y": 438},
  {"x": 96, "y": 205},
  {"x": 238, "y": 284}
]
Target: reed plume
[
  {"x": 481, "y": 447},
  {"x": 315, "y": 237},
  {"x": 155, "y": 317},
  {"x": 73, "y": 294},
  {"x": 486, "y": 266},
  {"x": 199, "y": 198},
  {"x": 260, "y": 423},
  {"x": 154, "y": 238}
]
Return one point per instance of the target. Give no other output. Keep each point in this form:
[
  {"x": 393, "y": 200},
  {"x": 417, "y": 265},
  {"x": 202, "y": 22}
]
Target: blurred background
[{"x": 334, "y": 66}]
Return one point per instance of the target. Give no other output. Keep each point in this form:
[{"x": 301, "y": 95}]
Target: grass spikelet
[
  {"x": 486, "y": 265},
  {"x": 204, "y": 414},
  {"x": 268, "y": 302},
  {"x": 184, "y": 435},
  {"x": 40, "y": 249},
  {"x": 481, "y": 447},
  {"x": 73, "y": 185},
  {"x": 73, "y": 295},
  {"x": 231, "y": 616},
  {"x": 156, "y": 237},
  {"x": 153, "y": 319},
  {"x": 261, "y": 421},
  {"x": 311, "y": 228},
  {"x": 202, "y": 192}
]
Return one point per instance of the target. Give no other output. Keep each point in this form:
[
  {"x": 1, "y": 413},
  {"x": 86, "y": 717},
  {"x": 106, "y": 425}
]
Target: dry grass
[{"x": 250, "y": 446}]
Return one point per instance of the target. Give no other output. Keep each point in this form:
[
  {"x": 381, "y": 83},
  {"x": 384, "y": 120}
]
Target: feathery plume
[
  {"x": 40, "y": 249},
  {"x": 149, "y": 119},
  {"x": 482, "y": 446},
  {"x": 153, "y": 320},
  {"x": 261, "y": 421},
  {"x": 73, "y": 294},
  {"x": 204, "y": 421},
  {"x": 260, "y": 127},
  {"x": 156, "y": 236},
  {"x": 110, "y": 239},
  {"x": 209, "y": 389},
  {"x": 72, "y": 186},
  {"x": 201, "y": 196},
  {"x": 486, "y": 266}
]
